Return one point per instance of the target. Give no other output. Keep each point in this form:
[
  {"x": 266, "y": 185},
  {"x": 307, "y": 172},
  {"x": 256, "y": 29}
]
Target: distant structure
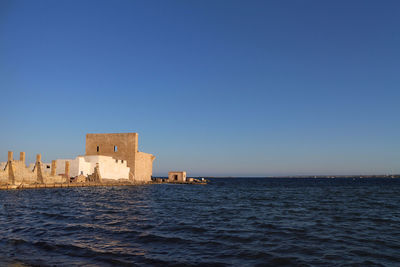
[
  {"x": 123, "y": 147},
  {"x": 175, "y": 176},
  {"x": 110, "y": 159}
]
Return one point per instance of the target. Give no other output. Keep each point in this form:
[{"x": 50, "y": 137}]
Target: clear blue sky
[{"x": 245, "y": 88}]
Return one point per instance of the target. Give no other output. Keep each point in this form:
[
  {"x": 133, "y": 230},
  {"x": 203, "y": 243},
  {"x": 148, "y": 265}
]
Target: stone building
[
  {"x": 124, "y": 147},
  {"x": 177, "y": 177},
  {"x": 109, "y": 156}
]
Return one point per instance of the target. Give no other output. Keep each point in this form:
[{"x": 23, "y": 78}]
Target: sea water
[{"x": 229, "y": 222}]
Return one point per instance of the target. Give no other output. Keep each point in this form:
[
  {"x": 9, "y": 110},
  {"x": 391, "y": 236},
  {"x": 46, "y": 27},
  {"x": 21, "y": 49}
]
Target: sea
[{"x": 229, "y": 222}]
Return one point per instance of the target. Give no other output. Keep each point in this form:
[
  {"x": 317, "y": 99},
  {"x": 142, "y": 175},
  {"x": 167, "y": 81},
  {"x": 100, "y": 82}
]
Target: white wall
[{"x": 110, "y": 168}]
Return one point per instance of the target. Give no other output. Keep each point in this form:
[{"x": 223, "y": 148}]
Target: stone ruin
[{"x": 15, "y": 172}]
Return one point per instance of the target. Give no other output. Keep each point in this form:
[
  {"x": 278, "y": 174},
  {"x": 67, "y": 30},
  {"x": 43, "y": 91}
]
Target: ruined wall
[
  {"x": 3, "y": 173},
  {"x": 122, "y": 146},
  {"x": 24, "y": 174},
  {"x": 48, "y": 179},
  {"x": 16, "y": 172},
  {"x": 2, "y": 165},
  {"x": 144, "y": 166},
  {"x": 46, "y": 167}
]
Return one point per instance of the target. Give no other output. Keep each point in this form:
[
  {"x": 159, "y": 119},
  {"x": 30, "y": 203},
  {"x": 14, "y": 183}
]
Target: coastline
[{"x": 90, "y": 184}]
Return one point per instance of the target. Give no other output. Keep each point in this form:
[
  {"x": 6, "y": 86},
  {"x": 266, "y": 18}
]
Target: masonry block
[{"x": 22, "y": 156}]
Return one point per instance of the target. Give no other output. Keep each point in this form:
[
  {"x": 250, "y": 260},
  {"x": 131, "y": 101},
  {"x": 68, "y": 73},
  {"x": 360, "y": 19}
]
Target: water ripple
[{"x": 230, "y": 222}]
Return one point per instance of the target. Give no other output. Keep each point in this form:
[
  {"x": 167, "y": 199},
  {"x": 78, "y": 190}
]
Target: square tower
[{"x": 122, "y": 146}]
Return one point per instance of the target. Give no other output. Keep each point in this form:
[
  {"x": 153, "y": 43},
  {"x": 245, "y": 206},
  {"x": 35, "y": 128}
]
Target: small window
[
  {"x": 122, "y": 161},
  {"x": 176, "y": 177},
  {"x": 98, "y": 148},
  {"x": 48, "y": 166},
  {"x": 115, "y": 148},
  {"x": 116, "y": 161}
]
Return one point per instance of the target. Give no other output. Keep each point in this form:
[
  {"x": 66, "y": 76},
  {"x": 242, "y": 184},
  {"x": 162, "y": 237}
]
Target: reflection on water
[{"x": 241, "y": 222}]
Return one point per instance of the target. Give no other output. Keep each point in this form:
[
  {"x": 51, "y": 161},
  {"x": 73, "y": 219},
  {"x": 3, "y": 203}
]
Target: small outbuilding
[{"x": 177, "y": 177}]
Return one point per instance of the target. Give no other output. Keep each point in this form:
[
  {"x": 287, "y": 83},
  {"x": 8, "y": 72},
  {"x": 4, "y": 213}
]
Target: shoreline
[{"x": 65, "y": 185}]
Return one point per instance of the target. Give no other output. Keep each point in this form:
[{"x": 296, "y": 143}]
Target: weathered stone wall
[
  {"x": 122, "y": 146},
  {"x": 24, "y": 174},
  {"x": 16, "y": 172},
  {"x": 119, "y": 146},
  {"x": 144, "y": 166},
  {"x": 3, "y": 173}
]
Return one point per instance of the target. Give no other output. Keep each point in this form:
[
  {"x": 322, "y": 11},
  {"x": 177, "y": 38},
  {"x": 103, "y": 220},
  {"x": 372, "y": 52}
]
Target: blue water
[{"x": 230, "y": 222}]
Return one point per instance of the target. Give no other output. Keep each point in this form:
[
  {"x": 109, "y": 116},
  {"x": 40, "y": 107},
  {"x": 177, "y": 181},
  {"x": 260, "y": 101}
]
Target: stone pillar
[
  {"x": 11, "y": 168},
  {"x": 22, "y": 156},
  {"x": 39, "y": 169},
  {"x": 53, "y": 167},
  {"x": 11, "y": 173},
  {"x": 98, "y": 176},
  {"x": 67, "y": 171},
  {"x": 38, "y": 158}
]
